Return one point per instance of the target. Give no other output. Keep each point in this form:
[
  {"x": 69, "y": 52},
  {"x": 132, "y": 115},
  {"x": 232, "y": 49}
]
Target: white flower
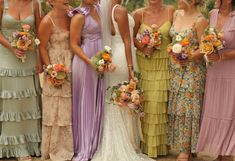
[
  {"x": 49, "y": 66},
  {"x": 108, "y": 49},
  {"x": 37, "y": 41},
  {"x": 177, "y": 48},
  {"x": 101, "y": 62},
  {"x": 53, "y": 74},
  {"x": 211, "y": 29},
  {"x": 178, "y": 38}
]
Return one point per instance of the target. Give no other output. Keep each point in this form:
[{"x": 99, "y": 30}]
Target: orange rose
[
  {"x": 185, "y": 42},
  {"x": 217, "y": 43},
  {"x": 209, "y": 37},
  {"x": 106, "y": 57},
  {"x": 59, "y": 67},
  {"x": 22, "y": 33},
  {"x": 206, "y": 48},
  {"x": 145, "y": 40}
]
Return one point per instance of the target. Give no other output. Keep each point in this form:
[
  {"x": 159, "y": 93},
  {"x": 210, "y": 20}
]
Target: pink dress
[{"x": 217, "y": 135}]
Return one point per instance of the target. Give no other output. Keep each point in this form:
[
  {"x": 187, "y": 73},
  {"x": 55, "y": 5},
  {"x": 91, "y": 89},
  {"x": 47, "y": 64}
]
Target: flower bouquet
[
  {"x": 150, "y": 39},
  {"x": 56, "y": 74},
  {"x": 24, "y": 39},
  {"x": 182, "y": 48},
  {"x": 102, "y": 60},
  {"x": 128, "y": 94},
  {"x": 211, "y": 42}
]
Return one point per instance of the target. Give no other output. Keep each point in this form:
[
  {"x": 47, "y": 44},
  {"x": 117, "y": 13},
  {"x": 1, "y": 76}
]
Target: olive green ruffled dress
[{"x": 155, "y": 83}]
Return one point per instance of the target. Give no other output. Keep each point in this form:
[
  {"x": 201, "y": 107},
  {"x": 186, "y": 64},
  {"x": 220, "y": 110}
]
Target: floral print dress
[{"x": 185, "y": 98}]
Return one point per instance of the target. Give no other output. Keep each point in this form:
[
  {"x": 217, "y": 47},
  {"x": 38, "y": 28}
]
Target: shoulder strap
[
  {"x": 51, "y": 20},
  {"x": 113, "y": 19},
  {"x": 33, "y": 7},
  {"x": 5, "y": 6},
  {"x": 142, "y": 15}
]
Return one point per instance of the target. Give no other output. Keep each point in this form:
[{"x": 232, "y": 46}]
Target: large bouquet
[
  {"x": 128, "y": 94},
  {"x": 56, "y": 74},
  {"x": 102, "y": 60},
  {"x": 211, "y": 42},
  {"x": 24, "y": 39},
  {"x": 150, "y": 39},
  {"x": 182, "y": 48}
]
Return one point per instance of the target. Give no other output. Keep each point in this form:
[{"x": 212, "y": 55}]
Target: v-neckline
[
  {"x": 216, "y": 22},
  {"x": 18, "y": 20},
  {"x": 159, "y": 26}
]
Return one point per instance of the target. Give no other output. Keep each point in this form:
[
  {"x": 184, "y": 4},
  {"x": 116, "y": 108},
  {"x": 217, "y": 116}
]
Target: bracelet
[{"x": 129, "y": 65}]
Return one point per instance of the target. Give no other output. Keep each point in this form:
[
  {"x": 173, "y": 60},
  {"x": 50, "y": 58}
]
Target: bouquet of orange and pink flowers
[
  {"x": 24, "y": 39},
  {"x": 128, "y": 94},
  {"x": 102, "y": 60},
  {"x": 182, "y": 47},
  {"x": 150, "y": 38},
  {"x": 56, "y": 74}
]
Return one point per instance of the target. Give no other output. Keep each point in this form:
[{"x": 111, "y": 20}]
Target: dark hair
[{"x": 233, "y": 3}]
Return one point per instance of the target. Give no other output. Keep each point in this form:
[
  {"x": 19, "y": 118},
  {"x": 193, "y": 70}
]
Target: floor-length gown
[
  {"x": 155, "y": 83},
  {"x": 57, "y": 143},
  {"x": 19, "y": 107},
  {"x": 217, "y": 132},
  {"x": 186, "y": 96},
  {"x": 116, "y": 144},
  {"x": 87, "y": 92}
]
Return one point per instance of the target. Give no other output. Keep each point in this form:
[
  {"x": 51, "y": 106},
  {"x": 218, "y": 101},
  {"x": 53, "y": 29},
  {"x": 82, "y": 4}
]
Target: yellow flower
[{"x": 206, "y": 48}]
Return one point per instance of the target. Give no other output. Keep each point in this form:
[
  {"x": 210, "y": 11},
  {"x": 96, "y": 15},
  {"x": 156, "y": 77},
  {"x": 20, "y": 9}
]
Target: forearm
[
  {"x": 80, "y": 53},
  {"x": 197, "y": 55},
  {"x": 44, "y": 56},
  {"x": 128, "y": 54},
  {"x": 228, "y": 55},
  {"x": 138, "y": 45},
  {"x": 5, "y": 42}
]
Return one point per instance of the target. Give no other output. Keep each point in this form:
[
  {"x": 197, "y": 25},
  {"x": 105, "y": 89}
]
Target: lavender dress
[
  {"x": 217, "y": 135},
  {"x": 88, "y": 92}
]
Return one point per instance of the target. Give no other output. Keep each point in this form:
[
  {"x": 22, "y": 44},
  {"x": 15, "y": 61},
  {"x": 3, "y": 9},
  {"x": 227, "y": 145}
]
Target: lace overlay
[{"x": 57, "y": 105}]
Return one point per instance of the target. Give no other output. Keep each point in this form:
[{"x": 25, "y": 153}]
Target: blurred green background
[{"x": 131, "y": 5}]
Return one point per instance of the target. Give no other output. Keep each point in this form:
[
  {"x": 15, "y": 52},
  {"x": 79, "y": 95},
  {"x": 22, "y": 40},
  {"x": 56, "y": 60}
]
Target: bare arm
[
  {"x": 44, "y": 33},
  {"x": 228, "y": 55},
  {"x": 121, "y": 17},
  {"x": 76, "y": 27},
  {"x": 37, "y": 14},
  {"x": 200, "y": 26},
  {"x": 3, "y": 40},
  {"x": 137, "y": 17}
]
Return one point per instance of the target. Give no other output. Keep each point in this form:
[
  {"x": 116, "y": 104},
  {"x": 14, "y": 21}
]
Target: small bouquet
[
  {"x": 182, "y": 48},
  {"x": 211, "y": 42},
  {"x": 128, "y": 94},
  {"x": 24, "y": 39},
  {"x": 102, "y": 60},
  {"x": 56, "y": 74},
  {"x": 150, "y": 39}
]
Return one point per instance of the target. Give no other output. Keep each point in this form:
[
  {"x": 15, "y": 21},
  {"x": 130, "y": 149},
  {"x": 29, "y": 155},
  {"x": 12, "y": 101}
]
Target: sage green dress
[
  {"x": 19, "y": 109},
  {"x": 155, "y": 83}
]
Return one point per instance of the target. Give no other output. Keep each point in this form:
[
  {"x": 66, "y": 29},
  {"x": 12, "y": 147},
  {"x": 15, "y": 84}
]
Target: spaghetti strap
[
  {"x": 5, "y": 5},
  {"x": 33, "y": 7},
  {"x": 51, "y": 20},
  {"x": 142, "y": 16},
  {"x": 113, "y": 19}
]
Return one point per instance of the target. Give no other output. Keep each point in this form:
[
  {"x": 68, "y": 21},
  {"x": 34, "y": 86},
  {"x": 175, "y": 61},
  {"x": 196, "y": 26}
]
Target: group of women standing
[{"x": 188, "y": 108}]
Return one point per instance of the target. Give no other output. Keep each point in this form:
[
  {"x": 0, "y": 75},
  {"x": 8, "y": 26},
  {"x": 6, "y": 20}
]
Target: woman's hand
[
  {"x": 147, "y": 51},
  {"x": 18, "y": 53},
  {"x": 131, "y": 74},
  {"x": 111, "y": 68},
  {"x": 213, "y": 57}
]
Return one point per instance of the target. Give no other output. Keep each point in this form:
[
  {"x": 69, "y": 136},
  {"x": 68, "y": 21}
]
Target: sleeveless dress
[
  {"x": 19, "y": 109},
  {"x": 88, "y": 92},
  {"x": 155, "y": 83},
  {"x": 185, "y": 100},
  {"x": 217, "y": 133},
  {"x": 116, "y": 144},
  {"x": 57, "y": 143}
]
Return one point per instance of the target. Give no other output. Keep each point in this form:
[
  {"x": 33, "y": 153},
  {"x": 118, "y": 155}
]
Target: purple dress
[
  {"x": 88, "y": 92},
  {"x": 217, "y": 135}
]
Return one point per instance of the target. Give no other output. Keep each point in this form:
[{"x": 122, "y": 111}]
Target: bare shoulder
[
  {"x": 138, "y": 12},
  {"x": 201, "y": 22},
  {"x": 121, "y": 10},
  {"x": 46, "y": 21},
  {"x": 1, "y": 4},
  {"x": 78, "y": 18}
]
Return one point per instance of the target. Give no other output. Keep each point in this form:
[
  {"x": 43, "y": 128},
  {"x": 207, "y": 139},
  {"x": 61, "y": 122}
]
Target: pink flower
[
  {"x": 26, "y": 27},
  {"x": 142, "y": 114},
  {"x": 124, "y": 96}
]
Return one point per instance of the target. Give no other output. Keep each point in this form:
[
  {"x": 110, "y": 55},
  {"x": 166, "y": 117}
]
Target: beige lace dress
[{"x": 57, "y": 141}]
